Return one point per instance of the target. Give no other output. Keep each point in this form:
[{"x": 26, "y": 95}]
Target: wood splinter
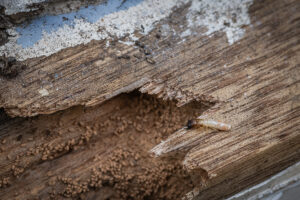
[{"x": 200, "y": 122}]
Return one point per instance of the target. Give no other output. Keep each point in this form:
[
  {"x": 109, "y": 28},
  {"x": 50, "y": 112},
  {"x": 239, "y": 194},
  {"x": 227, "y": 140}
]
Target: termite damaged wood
[{"x": 250, "y": 82}]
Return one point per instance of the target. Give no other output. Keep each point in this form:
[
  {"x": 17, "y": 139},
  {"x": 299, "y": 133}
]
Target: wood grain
[{"x": 253, "y": 83}]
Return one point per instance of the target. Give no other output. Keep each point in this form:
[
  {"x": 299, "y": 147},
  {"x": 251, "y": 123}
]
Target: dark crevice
[{"x": 3, "y": 116}]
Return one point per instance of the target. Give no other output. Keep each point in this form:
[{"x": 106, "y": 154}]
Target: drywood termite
[{"x": 200, "y": 122}]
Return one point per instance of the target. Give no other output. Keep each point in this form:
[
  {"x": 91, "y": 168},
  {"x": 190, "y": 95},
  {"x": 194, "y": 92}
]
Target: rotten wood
[{"x": 253, "y": 85}]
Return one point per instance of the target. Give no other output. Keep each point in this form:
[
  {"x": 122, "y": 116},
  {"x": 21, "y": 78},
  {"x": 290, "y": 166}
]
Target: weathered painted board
[{"x": 250, "y": 71}]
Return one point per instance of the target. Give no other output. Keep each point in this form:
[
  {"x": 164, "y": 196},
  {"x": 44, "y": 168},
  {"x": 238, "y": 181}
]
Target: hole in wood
[{"x": 100, "y": 151}]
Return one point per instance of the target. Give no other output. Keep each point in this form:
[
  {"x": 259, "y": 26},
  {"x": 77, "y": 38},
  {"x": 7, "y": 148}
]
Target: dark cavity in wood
[{"x": 9, "y": 67}]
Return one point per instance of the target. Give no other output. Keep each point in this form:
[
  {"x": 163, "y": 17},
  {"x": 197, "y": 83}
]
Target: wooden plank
[
  {"x": 253, "y": 85},
  {"x": 90, "y": 74}
]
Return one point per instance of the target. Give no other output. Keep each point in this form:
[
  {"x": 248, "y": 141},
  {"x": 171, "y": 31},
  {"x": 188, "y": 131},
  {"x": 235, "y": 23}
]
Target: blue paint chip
[{"x": 31, "y": 33}]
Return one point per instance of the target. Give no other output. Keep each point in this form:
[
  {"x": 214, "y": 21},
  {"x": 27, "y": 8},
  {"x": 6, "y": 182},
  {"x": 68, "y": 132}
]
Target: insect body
[{"x": 200, "y": 122}]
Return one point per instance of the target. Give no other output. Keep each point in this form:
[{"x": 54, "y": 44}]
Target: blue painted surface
[{"x": 31, "y": 33}]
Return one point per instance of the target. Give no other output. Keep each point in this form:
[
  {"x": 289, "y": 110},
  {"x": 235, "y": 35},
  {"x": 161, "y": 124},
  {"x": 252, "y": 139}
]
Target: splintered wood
[
  {"x": 170, "y": 145},
  {"x": 90, "y": 139}
]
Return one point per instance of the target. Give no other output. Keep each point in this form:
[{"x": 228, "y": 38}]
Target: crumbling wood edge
[{"x": 255, "y": 84}]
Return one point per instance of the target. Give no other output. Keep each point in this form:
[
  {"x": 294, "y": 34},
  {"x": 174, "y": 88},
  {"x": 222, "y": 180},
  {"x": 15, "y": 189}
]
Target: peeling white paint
[
  {"x": 17, "y": 6},
  {"x": 107, "y": 44},
  {"x": 129, "y": 43},
  {"x": 224, "y": 15},
  {"x": 81, "y": 31},
  {"x": 185, "y": 33},
  {"x": 227, "y": 16}
]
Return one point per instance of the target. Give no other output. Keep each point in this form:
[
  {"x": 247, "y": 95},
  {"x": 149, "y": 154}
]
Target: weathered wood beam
[{"x": 249, "y": 72}]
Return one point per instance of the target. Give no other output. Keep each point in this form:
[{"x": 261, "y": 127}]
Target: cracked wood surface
[{"x": 254, "y": 84}]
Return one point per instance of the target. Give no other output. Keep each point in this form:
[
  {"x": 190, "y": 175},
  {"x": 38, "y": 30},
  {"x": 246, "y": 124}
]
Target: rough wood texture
[
  {"x": 100, "y": 151},
  {"x": 253, "y": 83}
]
